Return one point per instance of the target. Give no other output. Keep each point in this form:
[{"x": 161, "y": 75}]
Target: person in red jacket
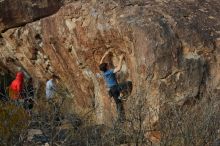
[{"x": 16, "y": 87}]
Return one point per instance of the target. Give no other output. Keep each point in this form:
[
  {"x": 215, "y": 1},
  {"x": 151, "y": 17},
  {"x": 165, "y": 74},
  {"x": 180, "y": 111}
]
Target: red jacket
[{"x": 17, "y": 86}]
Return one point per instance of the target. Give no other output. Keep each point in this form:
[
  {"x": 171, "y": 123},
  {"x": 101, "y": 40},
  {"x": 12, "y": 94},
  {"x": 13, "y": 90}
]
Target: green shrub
[{"x": 13, "y": 123}]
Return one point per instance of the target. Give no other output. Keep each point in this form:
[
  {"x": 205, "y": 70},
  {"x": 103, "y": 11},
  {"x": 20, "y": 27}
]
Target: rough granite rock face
[
  {"x": 19, "y": 12},
  {"x": 172, "y": 48}
]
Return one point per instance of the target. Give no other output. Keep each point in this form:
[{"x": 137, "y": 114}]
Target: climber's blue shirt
[{"x": 110, "y": 78}]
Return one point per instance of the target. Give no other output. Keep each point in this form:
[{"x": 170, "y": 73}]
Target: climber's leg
[
  {"x": 125, "y": 88},
  {"x": 119, "y": 105}
]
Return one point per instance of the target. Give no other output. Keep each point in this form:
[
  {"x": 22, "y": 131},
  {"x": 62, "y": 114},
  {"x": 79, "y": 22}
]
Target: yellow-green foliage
[{"x": 13, "y": 122}]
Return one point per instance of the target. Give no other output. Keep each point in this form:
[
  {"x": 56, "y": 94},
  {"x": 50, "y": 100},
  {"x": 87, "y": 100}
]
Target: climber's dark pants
[{"x": 115, "y": 93}]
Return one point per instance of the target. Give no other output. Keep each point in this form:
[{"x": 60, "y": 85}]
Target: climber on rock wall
[{"x": 114, "y": 88}]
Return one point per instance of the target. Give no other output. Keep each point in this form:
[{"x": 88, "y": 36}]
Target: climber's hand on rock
[
  {"x": 122, "y": 56},
  {"x": 107, "y": 52}
]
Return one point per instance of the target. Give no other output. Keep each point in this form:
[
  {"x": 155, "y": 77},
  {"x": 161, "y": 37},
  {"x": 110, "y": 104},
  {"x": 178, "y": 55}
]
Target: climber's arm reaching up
[
  {"x": 118, "y": 68},
  {"x": 103, "y": 57}
]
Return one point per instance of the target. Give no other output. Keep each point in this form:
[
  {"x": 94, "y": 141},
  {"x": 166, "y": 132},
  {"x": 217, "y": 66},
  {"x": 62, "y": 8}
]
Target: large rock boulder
[
  {"x": 16, "y": 12},
  {"x": 171, "y": 48}
]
